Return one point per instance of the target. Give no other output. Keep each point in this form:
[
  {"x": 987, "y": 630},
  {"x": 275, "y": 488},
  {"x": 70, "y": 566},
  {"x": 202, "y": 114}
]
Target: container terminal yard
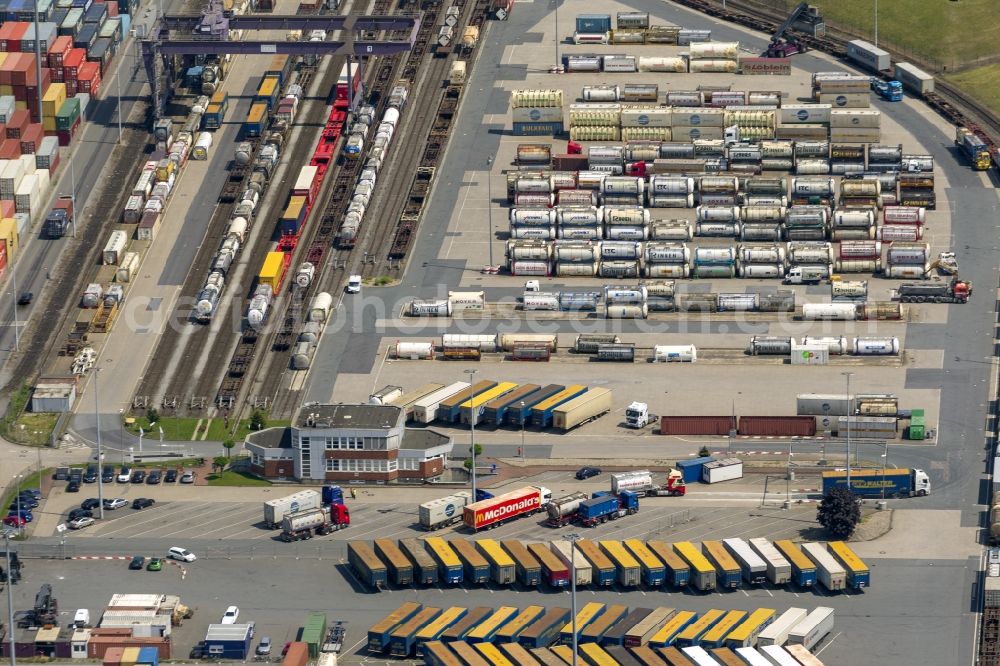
[{"x": 673, "y": 271}]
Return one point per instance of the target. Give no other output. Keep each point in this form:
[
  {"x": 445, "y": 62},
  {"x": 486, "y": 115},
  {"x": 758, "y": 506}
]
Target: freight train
[{"x": 347, "y": 235}]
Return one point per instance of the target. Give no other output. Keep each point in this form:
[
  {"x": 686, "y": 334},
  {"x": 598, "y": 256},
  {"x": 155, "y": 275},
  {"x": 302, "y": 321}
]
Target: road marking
[{"x": 828, "y": 643}]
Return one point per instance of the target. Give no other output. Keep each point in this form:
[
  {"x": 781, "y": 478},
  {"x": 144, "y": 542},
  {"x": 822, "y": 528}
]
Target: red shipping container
[
  {"x": 697, "y": 425},
  {"x": 10, "y": 63},
  {"x": 112, "y": 9},
  {"x": 24, "y": 71},
  {"x": 17, "y": 123},
  {"x": 10, "y": 149},
  {"x": 297, "y": 655},
  {"x": 89, "y": 78},
  {"x": 57, "y": 74},
  {"x": 6, "y": 30},
  {"x": 7, "y": 208},
  {"x": 71, "y": 63},
  {"x": 58, "y": 50},
  {"x": 71, "y": 89},
  {"x": 16, "y": 35},
  {"x": 31, "y": 138},
  {"x": 3, "y": 259},
  {"x": 778, "y": 426}
]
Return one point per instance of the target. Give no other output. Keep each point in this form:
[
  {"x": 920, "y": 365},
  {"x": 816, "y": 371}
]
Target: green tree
[
  {"x": 703, "y": 452},
  {"x": 219, "y": 463},
  {"x": 152, "y": 415},
  {"x": 258, "y": 420},
  {"x": 228, "y": 445},
  {"x": 839, "y": 513}
]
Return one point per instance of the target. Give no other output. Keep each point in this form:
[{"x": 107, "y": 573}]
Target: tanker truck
[
  {"x": 562, "y": 510},
  {"x": 956, "y": 291},
  {"x": 302, "y": 525},
  {"x": 641, "y": 483}
]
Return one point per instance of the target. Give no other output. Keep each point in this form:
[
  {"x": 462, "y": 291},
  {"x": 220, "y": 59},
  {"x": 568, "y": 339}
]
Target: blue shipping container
[
  {"x": 538, "y": 129},
  {"x": 593, "y": 23},
  {"x": 333, "y": 495},
  {"x": 691, "y": 469},
  {"x": 148, "y": 656}
]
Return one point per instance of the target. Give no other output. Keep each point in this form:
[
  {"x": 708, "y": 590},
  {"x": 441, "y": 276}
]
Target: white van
[
  {"x": 354, "y": 284},
  {"x": 182, "y": 554},
  {"x": 82, "y": 618}
]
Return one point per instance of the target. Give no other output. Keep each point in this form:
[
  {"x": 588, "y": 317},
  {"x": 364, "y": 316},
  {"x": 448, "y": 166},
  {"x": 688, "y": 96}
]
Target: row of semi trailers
[
  {"x": 725, "y": 564},
  {"x": 606, "y": 635}
]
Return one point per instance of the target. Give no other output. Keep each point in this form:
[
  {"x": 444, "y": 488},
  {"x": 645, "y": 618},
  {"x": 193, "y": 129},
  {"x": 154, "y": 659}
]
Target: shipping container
[
  {"x": 477, "y": 569},
  {"x": 573, "y": 558},
  {"x": 595, "y": 655},
  {"x": 669, "y": 632},
  {"x": 502, "y": 566},
  {"x": 678, "y": 572},
  {"x": 803, "y": 569},
  {"x": 753, "y": 567},
  {"x": 589, "y": 613},
  {"x": 445, "y": 511},
  {"x": 272, "y": 271},
  {"x": 616, "y": 634},
  {"x": 697, "y": 425},
  {"x": 777, "y": 426},
  {"x": 400, "y": 569},
  {"x": 449, "y": 565},
  {"x": 450, "y": 407},
  {"x": 727, "y": 569},
  {"x": 584, "y": 408},
  {"x": 495, "y": 410},
  {"x": 492, "y": 654},
  {"x": 647, "y": 656},
  {"x": 554, "y": 572},
  {"x": 642, "y": 631},
  {"x": 458, "y": 630},
  {"x": 603, "y": 571},
  {"x": 545, "y": 629},
  {"x": 509, "y": 632},
  {"x": 652, "y": 569},
  {"x": 425, "y": 409},
  {"x": 629, "y": 570},
  {"x": 485, "y": 630},
  {"x": 595, "y": 631},
  {"x": 493, "y": 511},
  {"x": 813, "y": 629},
  {"x": 433, "y": 630},
  {"x": 691, "y": 468},
  {"x": 703, "y": 573},
  {"x": 402, "y": 639},
  {"x": 693, "y": 633},
  {"x": 437, "y": 653},
  {"x": 516, "y": 653},
  {"x": 529, "y": 571},
  {"x": 409, "y": 399},
  {"x": 779, "y": 570},
  {"x": 366, "y": 564},
  {"x": 425, "y": 571},
  {"x": 828, "y": 570},
  {"x": 546, "y": 657},
  {"x": 471, "y": 411},
  {"x": 378, "y": 634},
  {"x": 717, "y": 635},
  {"x": 777, "y": 632},
  {"x": 858, "y": 573},
  {"x": 468, "y": 654}
]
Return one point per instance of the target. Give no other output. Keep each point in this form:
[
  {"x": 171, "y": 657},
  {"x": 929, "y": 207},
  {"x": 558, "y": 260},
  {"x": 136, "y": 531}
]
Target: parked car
[
  {"x": 155, "y": 564},
  {"x": 182, "y": 554},
  {"x": 90, "y": 503},
  {"x": 81, "y": 522},
  {"x": 108, "y": 474},
  {"x": 116, "y": 503},
  {"x": 23, "y": 502},
  {"x": 15, "y": 521},
  {"x": 154, "y": 477},
  {"x": 138, "y": 476},
  {"x": 187, "y": 477},
  {"x": 25, "y": 298},
  {"x": 198, "y": 651},
  {"x": 90, "y": 476},
  {"x": 76, "y": 474},
  {"x": 124, "y": 475},
  {"x": 137, "y": 562},
  {"x": 142, "y": 503},
  {"x": 24, "y": 515},
  {"x": 587, "y": 472},
  {"x": 34, "y": 493},
  {"x": 264, "y": 647},
  {"x": 79, "y": 513},
  {"x": 170, "y": 476},
  {"x": 231, "y": 615},
  {"x": 73, "y": 486}
]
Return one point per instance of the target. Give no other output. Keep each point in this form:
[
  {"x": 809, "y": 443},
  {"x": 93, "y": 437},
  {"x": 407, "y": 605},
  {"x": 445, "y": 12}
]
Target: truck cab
[
  {"x": 637, "y": 415},
  {"x": 890, "y": 91},
  {"x": 354, "y": 284},
  {"x": 804, "y": 275},
  {"x": 531, "y": 286},
  {"x": 921, "y": 483}
]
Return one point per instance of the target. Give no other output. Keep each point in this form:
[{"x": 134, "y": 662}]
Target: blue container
[
  {"x": 126, "y": 22},
  {"x": 95, "y": 13},
  {"x": 596, "y": 507},
  {"x": 148, "y": 656},
  {"x": 691, "y": 469},
  {"x": 537, "y": 129},
  {"x": 518, "y": 415},
  {"x": 593, "y": 23},
  {"x": 86, "y": 36},
  {"x": 332, "y": 495}
]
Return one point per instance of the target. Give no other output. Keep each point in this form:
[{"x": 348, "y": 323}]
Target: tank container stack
[
  {"x": 908, "y": 261},
  {"x": 576, "y": 258},
  {"x": 537, "y": 112},
  {"x": 667, "y": 259},
  {"x": 625, "y": 302},
  {"x": 717, "y": 57}
]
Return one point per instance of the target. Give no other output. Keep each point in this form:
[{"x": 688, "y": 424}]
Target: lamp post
[
  {"x": 10, "y": 601},
  {"x": 100, "y": 455},
  {"x": 13, "y": 308},
  {"x": 572, "y": 585},
  {"x": 472, "y": 437},
  {"x": 850, "y": 415},
  {"x": 557, "y": 69},
  {"x": 489, "y": 206},
  {"x": 521, "y": 407},
  {"x": 885, "y": 463},
  {"x": 876, "y": 23},
  {"x": 17, "y": 485}
]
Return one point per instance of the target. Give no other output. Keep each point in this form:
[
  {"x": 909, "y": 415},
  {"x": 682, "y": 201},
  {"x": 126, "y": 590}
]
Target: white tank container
[
  {"x": 761, "y": 271},
  {"x": 904, "y": 215},
  {"x": 580, "y": 216},
  {"x": 320, "y": 308},
  {"x": 769, "y": 345},
  {"x": 738, "y": 302},
  {"x": 717, "y": 213},
  {"x": 533, "y": 216},
  {"x": 829, "y": 311},
  {"x": 621, "y": 250},
  {"x": 670, "y": 230},
  {"x": 576, "y": 270},
  {"x": 484, "y": 342},
  {"x": 413, "y": 350},
  {"x": 626, "y": 215},
  {"x": 601, "y": 93},
  {"x": 762, "y": 254},
  {"x": 716, "y": 66},
  {"x": 304, "y": 275},
  {"x": 718, "y": 229},
  {"x": 531, "y": 267},
  {"x": 899, "y": 232},
  {"x": 727, "y": 50},
  {"x": 667, "y": 271},
  {"x": 875, "y": 346},
  {"x": 853, "y": 218},
  {"x": 626, "y": 311},
  {"x": 435, "y": 308},
  {"x": 661, "y": 252},
  {"x": 835, "y": 344},
  {"x": 675, "y": 354},
  {"x": 822, "y": 187},
  {"x": 907, "y": 271},
  {"x": 674, "y": 64},
  {"x": 540, "y": 301},
  {"x": 909, "y": 253},
  {"x": 201, "y": 146}
]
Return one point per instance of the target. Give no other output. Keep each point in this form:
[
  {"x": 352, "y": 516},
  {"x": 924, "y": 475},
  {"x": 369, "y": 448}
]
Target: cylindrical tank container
[
  {"x": 661, "y": 288},
  {"x": 745, "y": 153},
  {"x": 667, "y": 271},
  {"x": 763, "y": 98},
  {"x": 675, "y": 354},
  {"x": 661, "y": 252},
  {"x": 531, "y": 267},
  {"x": 623, "y": 185},
  {"x": 675, "y": 65},
  {"x": 760, "y": 232},
  {"x": 907, "y": 233},
  {"x": 621, "y": 233},
  {"x": 533, "y": 185},
  {"x": 641, "y": 92},
  {"x": 715, "y": 255},
  {"x": 835, "y": 344},
  {"x": 717, "y": 213},
  {"x": 619, "y": 269},
  {"x": 860, "y": 188},
  {"x": 244, "y": 153},
  {"x": 435, "y": 308},
  {"x": 761, "y": 271},
  {"x": 904, "y": 215},
  {"x": 621, "y": 250},
  {"x": 320, "y": 308},
  {"x": 714, "y": 271},
  {"x": 577, "y": 63},
  {"x": 576, "y": 252},
  {"x": 718, "y": 185},
  {"x": 624, "y": 295},
  {"x": 484, "y": 342},
  {"x": 670, "y": 230},
  {"x": 846, "y": 290},
  {"x": 509, "y": 340},
  {"x": 829, "y": 311},
  {"x": 565, "y": 269},
  {"x": 626, "y": 215},
  {"x": 713, "y": 66},
  {"x": 860, "y": 250},
  {"x": 738, "y": 302},
  {"x": 622, "y": 353},
  {"x": 413, "y": 350},
  {"x": 810, "y": 253},
  {"x": 537, "y": 250},
  {"x": 909, "y": 253},
  {"x": 769, "y": 345},
  {"x": 605, "y": 155},
  {"x": 880, "y": 310},
  {"x": 626, "y": 311},
  {"x": 671, "y": 201},
  {"x": 676, "y": 151},
  {"x": 540, "y": 301},
  {"x": 875, "y": 346},
  {"x": 812, "y": 149},
  {"x": 533, "y": 216},
  {"x": 761, "y": 254},
  {"x": 642, "y": 151},
  {"x": 576, "y": 198},
  {"x": 812, "y": 167},
  {"x": 534, "y": 199},
  {"x": 776, "y": 149},
  {"x": 853, "y": 217},
  {"x": 884, "y": 154},
  {"x": 762, "y": 214},
  {"x": 728, "y": 50},
  {"x": 670, "y": 185},
  {"x": 201, "y": 146},
  {"x": 718, "y": 229},
  {"x": 808, "y": 187},
  {"x": 857, "y": 265},
  {"x": 907, "y": 271},
  {"x": 724, "y": 98},
  {"x": 591, "y": 233},
  {"x": 601, "y": 93},
  {"x": 697, "y": 302},
  {"x": 579, "y": 301},
  {"x": 533, "y": 233}
]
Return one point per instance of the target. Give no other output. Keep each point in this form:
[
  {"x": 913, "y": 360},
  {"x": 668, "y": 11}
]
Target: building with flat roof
[{"x": 340, "y": 442}]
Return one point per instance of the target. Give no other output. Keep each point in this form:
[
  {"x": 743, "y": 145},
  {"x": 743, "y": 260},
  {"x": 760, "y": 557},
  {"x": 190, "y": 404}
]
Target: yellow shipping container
[
  {"x": 218, "y": 97},
  {"x": 258, "y": 113},
  {"x": 267, "y": 87},
  {"x": 6, "y": 90},
  {"x": 8, "y": 235},
  {"x": 49, "y": 124},
  {"x": 3, "y": 57},
  {"x": 129, "y": 656},
  {"x": 53, "y": 99},
  {"x": 270, "y": 272},
  {"x": 20, "y": 105}
]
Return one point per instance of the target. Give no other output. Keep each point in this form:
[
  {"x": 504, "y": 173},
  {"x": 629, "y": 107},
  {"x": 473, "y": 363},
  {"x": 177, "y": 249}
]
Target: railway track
[{"x": 950, "y": 102}]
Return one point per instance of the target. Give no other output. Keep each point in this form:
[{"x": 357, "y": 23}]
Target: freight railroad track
[
  {"x": 179, "y": 388},
  {"x": 951, "y": 102}
]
